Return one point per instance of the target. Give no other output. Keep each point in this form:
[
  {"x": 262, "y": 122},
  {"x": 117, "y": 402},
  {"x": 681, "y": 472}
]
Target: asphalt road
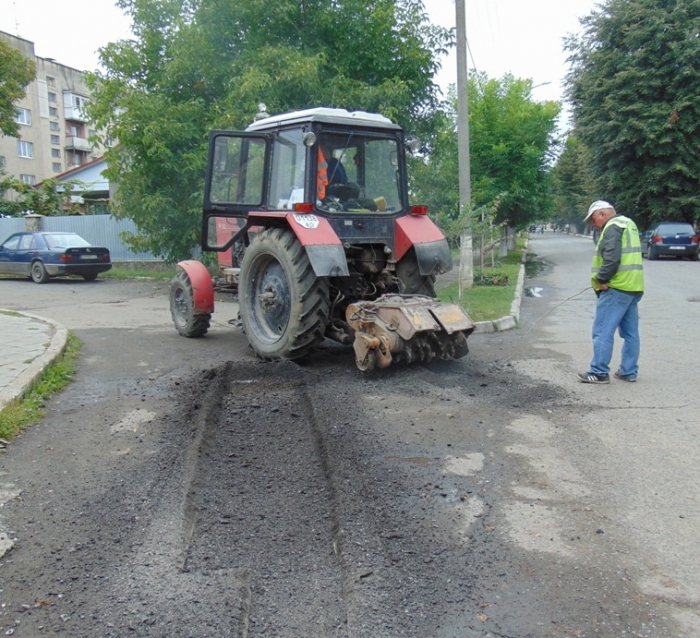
[{"x": 182, "y": 488}]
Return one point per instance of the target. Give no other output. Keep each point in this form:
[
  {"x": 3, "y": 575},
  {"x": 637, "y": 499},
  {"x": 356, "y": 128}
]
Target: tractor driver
[{"x": 334, "y": 167}]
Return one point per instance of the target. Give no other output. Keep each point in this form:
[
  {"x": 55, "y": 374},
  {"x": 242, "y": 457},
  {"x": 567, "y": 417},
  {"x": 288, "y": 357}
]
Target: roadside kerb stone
[
  {"x": 511, "y": 320},
  {"x": 24, "y": 366}
]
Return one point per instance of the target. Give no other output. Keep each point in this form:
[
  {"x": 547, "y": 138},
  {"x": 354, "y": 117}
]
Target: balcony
[{"x": 75, "y": 143}]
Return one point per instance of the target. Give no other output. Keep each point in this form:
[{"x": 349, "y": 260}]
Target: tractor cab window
[
  {"x": 357, "y": 173},
  {"x": 237, "y": 170},
  {"x": 287, "y": 176}
]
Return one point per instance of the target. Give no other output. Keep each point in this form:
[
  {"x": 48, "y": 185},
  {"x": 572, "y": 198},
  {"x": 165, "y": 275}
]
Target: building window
[
  {"x": 25, "y": 149},
  {"x": 53, "y": 111},
  {"x": 52, "y": 97},
  {"x": 55, "y": 152},
  {"x": 28, "y": 179},
  {"x": 55, "y": 139},
  {"x": 75, "y": 159},
  {"x": 56, "y": 167},
  {"x": 54, "y": 126},
  {"x": 23, "y": 116},
  {"x": 2, "y": 161},
  {"x": 76, "y": 130},
  {"x": 50, "y": 81}
]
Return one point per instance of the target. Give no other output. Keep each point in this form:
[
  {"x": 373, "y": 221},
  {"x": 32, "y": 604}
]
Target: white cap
[{"x": 600, "y": 204}]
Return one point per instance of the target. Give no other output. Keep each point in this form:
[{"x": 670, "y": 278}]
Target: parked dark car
[
  {"x": 42, "y": 255},
  {"x": 677, "y": 239}
]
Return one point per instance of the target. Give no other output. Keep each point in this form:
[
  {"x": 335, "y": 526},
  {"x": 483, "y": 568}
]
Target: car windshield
[{"x": 65, "y": 241}]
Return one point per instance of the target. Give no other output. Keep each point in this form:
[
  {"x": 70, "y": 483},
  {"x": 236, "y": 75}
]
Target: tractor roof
[{"x": 325, "y": 116}]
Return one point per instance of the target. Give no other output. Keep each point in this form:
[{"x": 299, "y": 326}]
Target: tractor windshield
[{"x": 357, "y": 173}]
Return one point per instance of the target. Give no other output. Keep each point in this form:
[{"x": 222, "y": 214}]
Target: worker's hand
[{"x": 602, "y": 286}]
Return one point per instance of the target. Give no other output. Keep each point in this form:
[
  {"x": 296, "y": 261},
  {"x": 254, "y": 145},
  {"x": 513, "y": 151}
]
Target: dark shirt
[
  {"x": 336, "y": 172},
  {"x": 611, "y": 251}
]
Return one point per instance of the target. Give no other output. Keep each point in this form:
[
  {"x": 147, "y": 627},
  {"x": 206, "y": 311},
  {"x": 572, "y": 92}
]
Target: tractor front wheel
[
  {"x": 186, "y": 322},
  {"x": 284, "y": 306}
]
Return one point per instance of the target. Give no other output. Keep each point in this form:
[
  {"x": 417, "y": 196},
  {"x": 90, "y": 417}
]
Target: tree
[
  {"x": 51, "y": 197},
  {"x": 512, "y": 145},
  {"x": 573, "y": 184},
  {"x": 16, "y": 72},
  {"x": 633, "y": 85},
  {"x": 203, "y": 64}
]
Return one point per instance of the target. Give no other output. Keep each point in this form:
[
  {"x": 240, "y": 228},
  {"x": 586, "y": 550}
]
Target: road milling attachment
[{"x": 407, "y": 329}]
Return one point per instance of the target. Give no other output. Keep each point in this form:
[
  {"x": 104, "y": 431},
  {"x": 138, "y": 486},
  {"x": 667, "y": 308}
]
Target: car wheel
[
  {"x": 39, "y": 274},
  {"x": 651, "y": 255},
  {"x": 90, "y": 277},
  {"x": 694, "y": 257}
]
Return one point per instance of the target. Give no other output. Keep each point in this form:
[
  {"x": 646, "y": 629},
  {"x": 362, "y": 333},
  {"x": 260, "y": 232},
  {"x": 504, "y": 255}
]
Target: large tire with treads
[
  {"x": 413, "y": 282},
  {"x": 284, "y": 306},
  {"x": 186, "y": 322}
]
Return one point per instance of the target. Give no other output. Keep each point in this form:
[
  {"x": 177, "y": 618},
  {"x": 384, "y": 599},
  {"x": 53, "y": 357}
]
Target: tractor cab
[{"x": 328, "y": 162}]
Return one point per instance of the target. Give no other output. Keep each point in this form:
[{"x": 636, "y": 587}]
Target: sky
[{"x": 522, "y": 37}]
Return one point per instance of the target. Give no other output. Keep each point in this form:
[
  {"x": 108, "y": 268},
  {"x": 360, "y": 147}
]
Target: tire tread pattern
[
  {"x": 310, "y": 298},
  {"x": 196, "y": 325}
]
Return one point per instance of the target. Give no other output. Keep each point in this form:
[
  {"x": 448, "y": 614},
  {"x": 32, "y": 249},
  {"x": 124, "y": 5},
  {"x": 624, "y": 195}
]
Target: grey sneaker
[
  {"x": 592, "y": 377},
  {"x": 625, "y": 377}
]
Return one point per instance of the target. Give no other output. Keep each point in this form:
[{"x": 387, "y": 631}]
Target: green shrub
[{"x": 491, "y": 278}]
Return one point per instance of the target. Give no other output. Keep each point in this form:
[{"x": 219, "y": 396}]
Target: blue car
[
  {"x": 670, "y": 239},
  {"x": 42, "y": 255}
]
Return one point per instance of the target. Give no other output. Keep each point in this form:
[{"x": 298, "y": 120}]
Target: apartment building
[{"x": 54, "y": 130}]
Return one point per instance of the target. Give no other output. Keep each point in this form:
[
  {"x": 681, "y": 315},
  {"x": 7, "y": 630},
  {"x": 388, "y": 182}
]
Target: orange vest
[{"x": 321, "y": 175}]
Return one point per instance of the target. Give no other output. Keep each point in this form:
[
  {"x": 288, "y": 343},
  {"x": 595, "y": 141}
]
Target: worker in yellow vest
[{"x": 617, "y": 277}]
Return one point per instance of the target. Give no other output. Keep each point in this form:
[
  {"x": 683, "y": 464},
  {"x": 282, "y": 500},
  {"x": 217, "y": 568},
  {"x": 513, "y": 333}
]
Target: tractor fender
[
  {"x": 431, "y": 248},
  {"x": 316, "y": 235},
  {"x": 202, "y": 286}
]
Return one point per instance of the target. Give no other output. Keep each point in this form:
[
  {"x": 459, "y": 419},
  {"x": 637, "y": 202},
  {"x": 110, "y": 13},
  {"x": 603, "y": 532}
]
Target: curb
[
  {"x": 24, "y": 381},
  {"x": 511, "y": 320}
]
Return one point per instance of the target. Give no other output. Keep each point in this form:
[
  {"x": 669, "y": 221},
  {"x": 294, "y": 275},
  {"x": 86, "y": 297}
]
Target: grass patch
[
  {"x": 23, "y": 412},
  {"x": 489, "y": 302}
]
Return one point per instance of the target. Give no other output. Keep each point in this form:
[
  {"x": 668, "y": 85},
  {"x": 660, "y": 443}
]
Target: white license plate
[
  {"x": 677, "y": 247},
  {"x": 88, "y": 256}
]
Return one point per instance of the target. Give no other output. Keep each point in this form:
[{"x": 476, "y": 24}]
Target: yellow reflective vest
[{"x": 630, "y": 274}]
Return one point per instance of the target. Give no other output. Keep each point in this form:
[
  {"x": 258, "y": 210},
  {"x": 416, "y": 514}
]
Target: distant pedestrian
[{"x": 618, "y": 280}]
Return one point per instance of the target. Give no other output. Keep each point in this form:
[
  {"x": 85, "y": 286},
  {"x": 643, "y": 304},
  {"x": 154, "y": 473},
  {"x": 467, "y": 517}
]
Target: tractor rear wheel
[
  {"x": 186, "y": 322},
  {"x": 284, "y": 306},
  {"x": 409, "y": 275}
]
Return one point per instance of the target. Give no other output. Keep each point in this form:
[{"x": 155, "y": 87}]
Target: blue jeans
[{"x": 616, "y": 310}]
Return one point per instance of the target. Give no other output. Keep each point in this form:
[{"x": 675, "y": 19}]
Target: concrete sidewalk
[{"x": 28, "y": 343}]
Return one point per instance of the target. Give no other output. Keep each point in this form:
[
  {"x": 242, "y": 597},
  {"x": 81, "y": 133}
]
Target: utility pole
[{"x": 466, "y": 253}]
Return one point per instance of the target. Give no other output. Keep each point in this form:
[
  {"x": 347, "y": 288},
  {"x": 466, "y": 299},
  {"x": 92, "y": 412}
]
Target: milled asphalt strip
[{"x": 26, "y": 351}]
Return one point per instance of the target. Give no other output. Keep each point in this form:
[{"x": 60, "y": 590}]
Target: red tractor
[{"x": 309, "y": 214}]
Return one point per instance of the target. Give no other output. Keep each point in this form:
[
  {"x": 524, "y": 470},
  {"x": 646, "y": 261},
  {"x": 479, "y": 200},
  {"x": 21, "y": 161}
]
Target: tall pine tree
[{"x": 634, "y": 86}]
